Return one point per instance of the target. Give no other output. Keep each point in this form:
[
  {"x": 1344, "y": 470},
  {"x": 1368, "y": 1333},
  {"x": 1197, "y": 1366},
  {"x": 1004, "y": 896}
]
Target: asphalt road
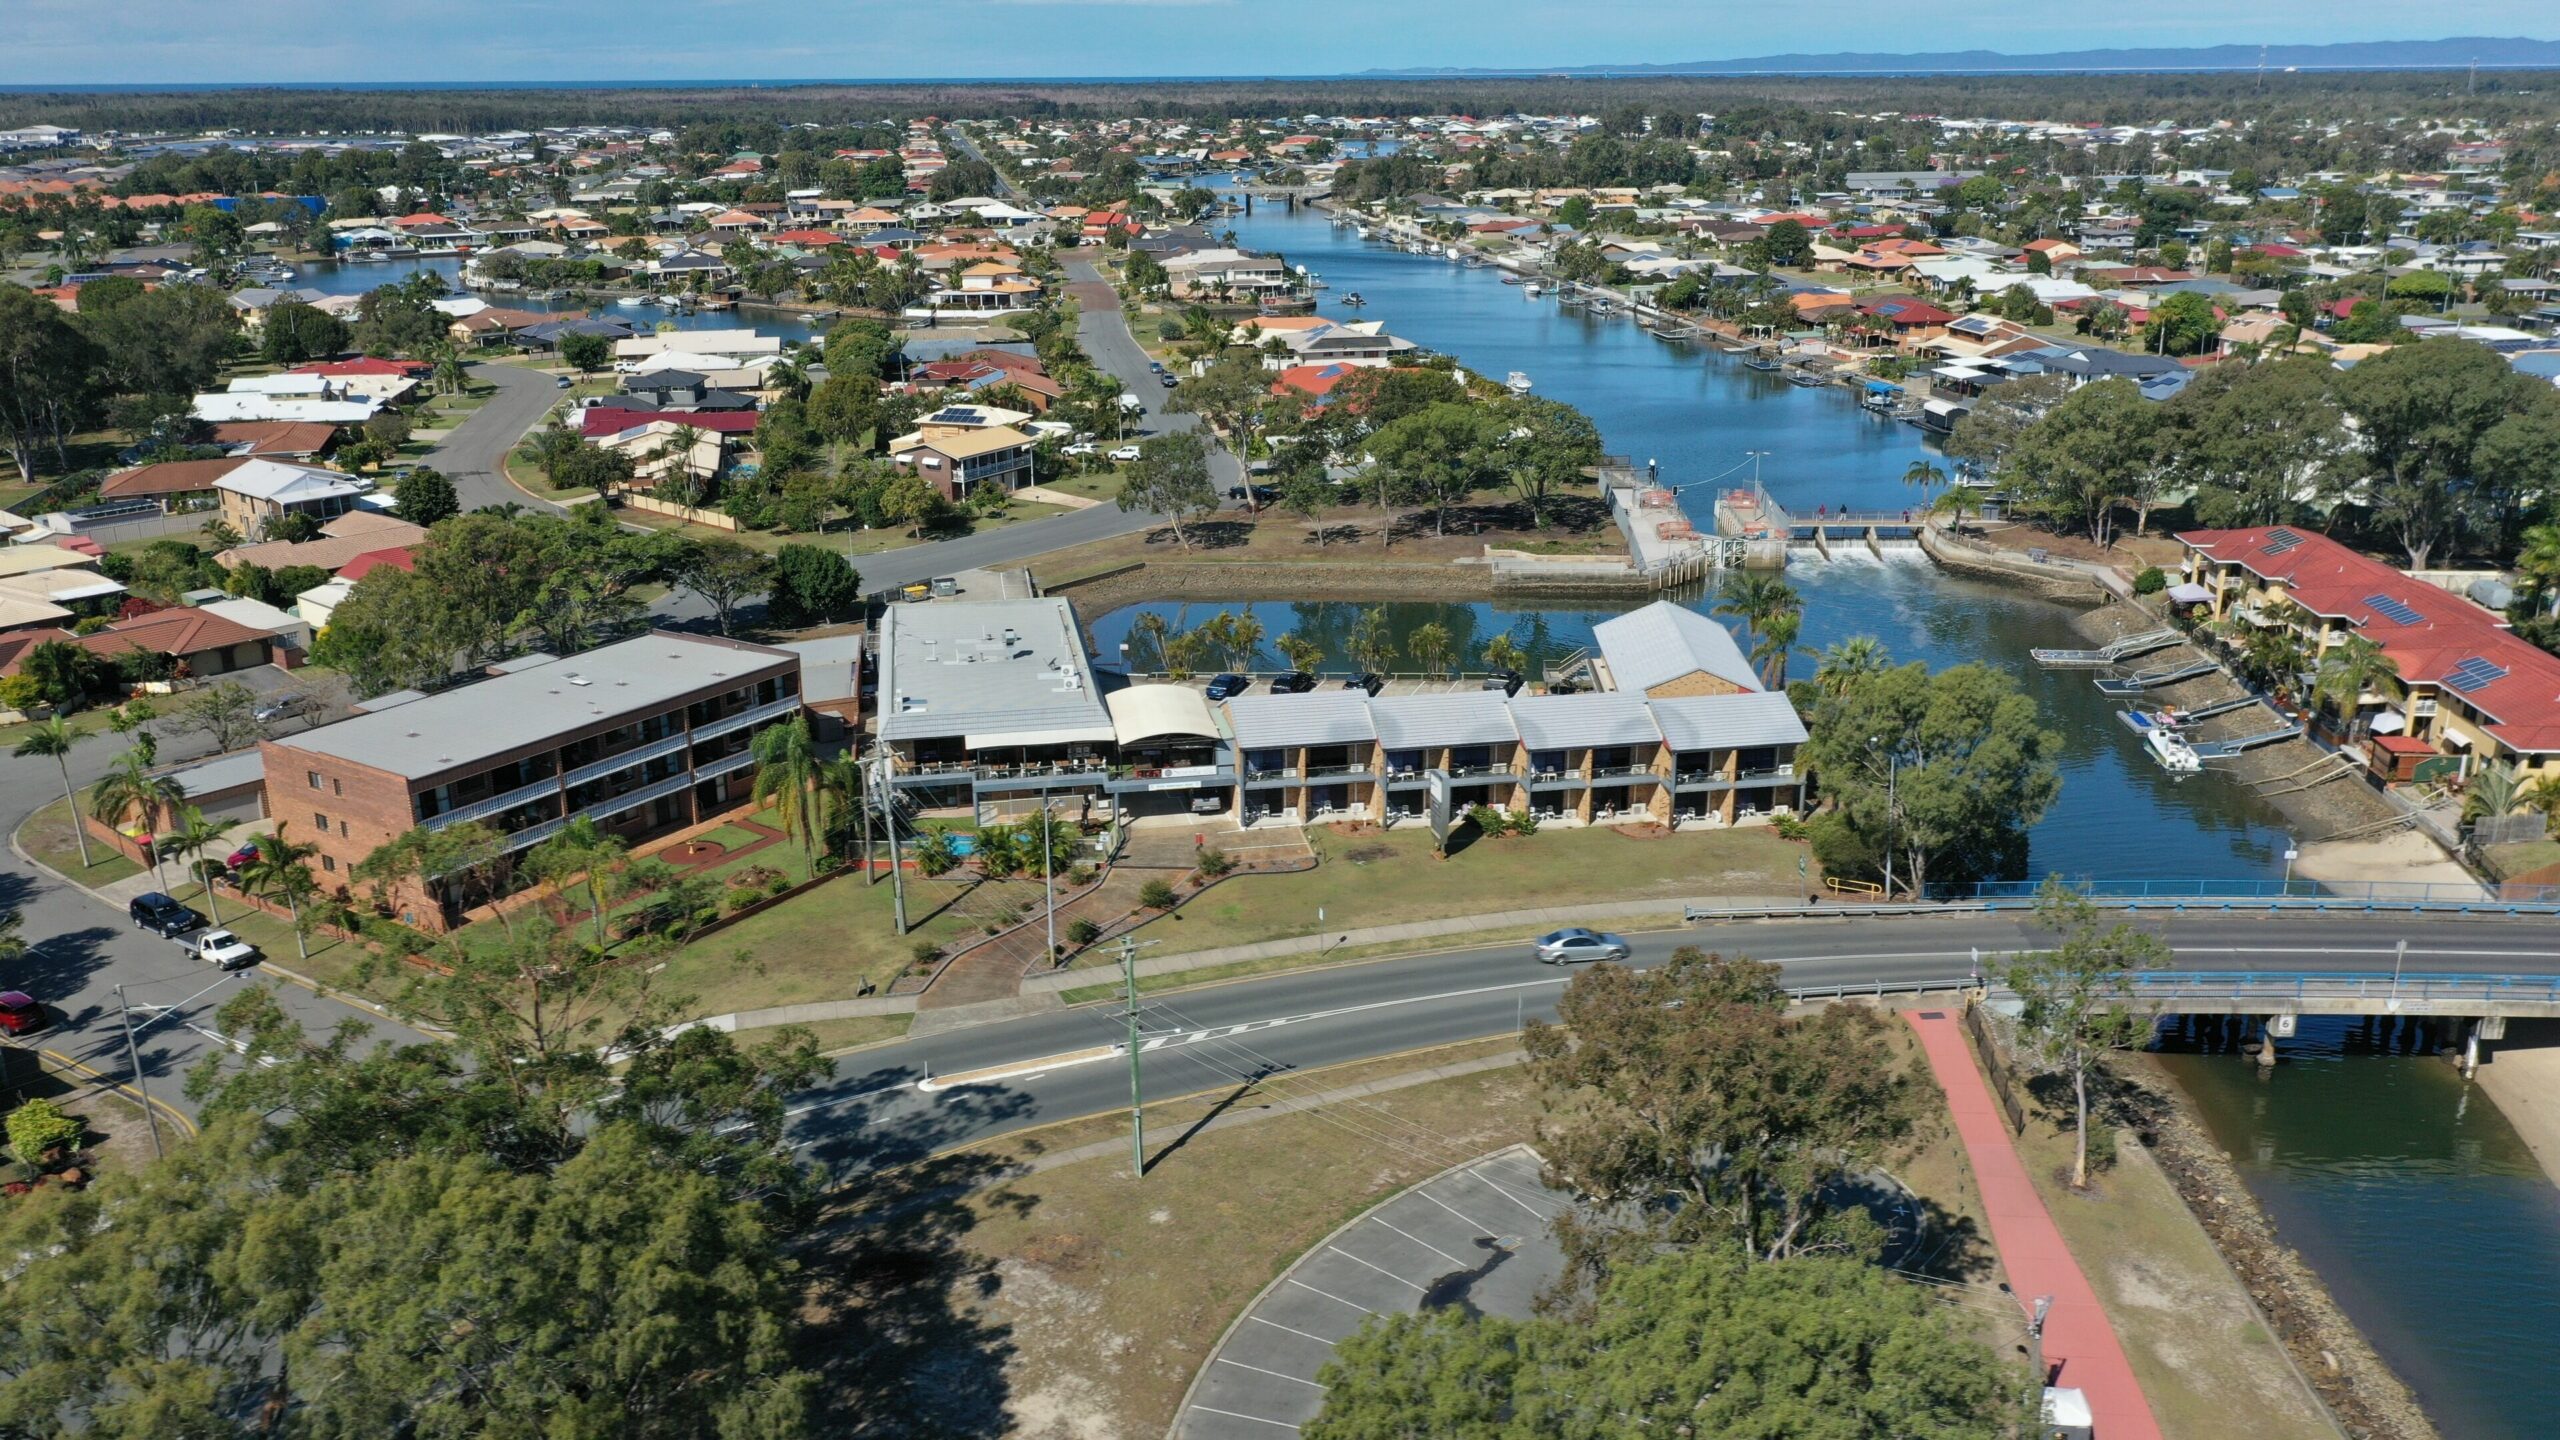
[
  {"x": 79, "y": 951},
  {"x": 872, "y": 1112},
  {"x": 473, "y": 457}
]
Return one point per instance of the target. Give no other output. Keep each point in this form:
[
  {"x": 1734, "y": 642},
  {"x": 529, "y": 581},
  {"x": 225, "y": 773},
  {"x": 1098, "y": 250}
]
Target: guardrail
[
  {"x": 2395, "y": 890},
  {"x": 1883, "y": 987},
  {"x": 2313, "y": 988},
  {"x": 2475, "y": 908}
]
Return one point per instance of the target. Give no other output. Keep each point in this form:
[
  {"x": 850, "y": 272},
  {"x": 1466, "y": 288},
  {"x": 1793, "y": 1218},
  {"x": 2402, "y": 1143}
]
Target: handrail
[
  {"x": 2474, "y": 909},
  {"x": 1852, "y": 887}
]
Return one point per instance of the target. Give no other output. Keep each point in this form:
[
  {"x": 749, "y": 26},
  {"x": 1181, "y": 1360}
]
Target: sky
[{"x": 200, "y": 41}]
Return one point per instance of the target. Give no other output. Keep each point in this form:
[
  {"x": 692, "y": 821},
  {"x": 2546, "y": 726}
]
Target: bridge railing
[
  {"x": 2242, "y": 889},
  {"x": 2312, "y": 987}
]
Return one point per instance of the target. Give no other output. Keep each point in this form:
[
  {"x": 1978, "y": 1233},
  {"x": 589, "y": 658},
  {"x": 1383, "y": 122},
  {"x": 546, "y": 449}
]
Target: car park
[
  {"x": 1227, "y": 687},
  {"x": 1575, "y": 946},
  {"x": 1296, "y": 682},
  {"x": 162, "y": 915},
  {"x": 21, "y": 1013}
]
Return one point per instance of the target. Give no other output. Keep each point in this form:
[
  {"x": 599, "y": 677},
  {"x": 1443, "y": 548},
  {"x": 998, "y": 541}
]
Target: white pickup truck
[{"x": 220, "y": 947}]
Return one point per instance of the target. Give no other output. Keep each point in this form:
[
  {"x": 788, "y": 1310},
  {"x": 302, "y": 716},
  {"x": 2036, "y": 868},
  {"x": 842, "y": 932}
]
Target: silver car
[{"x": 1576, "y": 945}]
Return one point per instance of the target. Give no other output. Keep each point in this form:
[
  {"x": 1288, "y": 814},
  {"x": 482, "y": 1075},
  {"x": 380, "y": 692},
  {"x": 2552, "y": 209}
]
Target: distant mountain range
[{"x": 2453, "y": 54}]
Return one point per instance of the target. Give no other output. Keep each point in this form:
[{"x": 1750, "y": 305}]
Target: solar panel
[
  {"x": 2279, "y": 541},
  {"x": 2474, "y": 674},
  {"x": 2395, "y": 611}
]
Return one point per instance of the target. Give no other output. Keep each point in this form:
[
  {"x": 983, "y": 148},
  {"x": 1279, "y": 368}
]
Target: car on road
[
  {"x": 21, "y": 1013},
  {"x": 1124, "y": 454},
  {"x": 1156, "y": 365},
  {"x": 1575, "y": 945},
  {"x": 162, "y": 915},
  {"x": 1082, "y": 447},
  {"x": 221, "y": 948},
  {"x": 1168, "y": 379},
  {"x": 1227, "y": 687},
  {"x": 293, "y": 704},
  {"x": 1296, "y": 682}
]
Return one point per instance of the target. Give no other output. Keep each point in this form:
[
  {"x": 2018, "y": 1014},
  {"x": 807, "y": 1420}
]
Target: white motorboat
[
  {"x": 2172, "y": 751},
  {"x": 634, "y": 301},
  {"x": 1517, "y": 383},
  {"x": 1532, "y": 289}
]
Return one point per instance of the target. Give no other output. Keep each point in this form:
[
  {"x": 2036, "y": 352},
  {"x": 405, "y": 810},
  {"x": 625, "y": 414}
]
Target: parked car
[
  {"x": 1156, "y": 365},
  {"x": 1258, "y": 494},
  {"x": 162, "y": 915},
  {"x": 1168, "y": 380},
  {"x": 1124, "y": 454},
  {"x": 290, "y": 705},
  {"x": 1576, "y": 945},
  {"x": 1296, "y": 682},
  {"x": 1081, "y": 448},
  {"x": 562, "y": 383},
  {"x": 1370, "y": 683},
  {"x": 221, "y": 948},
  {"x": 1506, "y": 681},
  {"x": 1227, "y": 687},
  {"x": 239, "y": 857},
  {"x": 21, "y": 1013}
]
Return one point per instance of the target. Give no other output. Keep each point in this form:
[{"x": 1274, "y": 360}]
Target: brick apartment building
[{"x": 643, "y": 736}]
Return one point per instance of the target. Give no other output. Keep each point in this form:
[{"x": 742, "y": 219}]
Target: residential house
[
  {"x": 172, "y": 484},
  {"x": 961, "y": 448},
  {"x": 256, "y": 493},
  {"x": 192, "y": 644},
  {"x": 341, "y": 540}
]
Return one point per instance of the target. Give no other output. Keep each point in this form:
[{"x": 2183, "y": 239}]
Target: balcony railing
[
  {"x": 497, "y": 804},
  {"x": 625, "y": 760},
  {"x": 1623, "y": 772},
  {"x": 1040, "y": 769},
  {"x": 1257, "y": 773},
  {"x": 749, "y": 716},
  {"x": 1480, "y": 772},
  {"x": 724, "y": 765},
  {"x": 1335, "y": 772},
  {"x": 533, "y": 835}
]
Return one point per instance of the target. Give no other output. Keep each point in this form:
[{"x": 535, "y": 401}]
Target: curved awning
[{"x": 1148, "y": 712}]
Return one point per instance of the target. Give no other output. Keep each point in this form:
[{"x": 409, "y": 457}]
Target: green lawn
[
  {"x": 1093, "y": 484},
  {"x": 47, "y": 836},
  {"x": 842, "y": 540},
  {"x": 1393, "y": 878},
  {"x": 818, "y": 946}
]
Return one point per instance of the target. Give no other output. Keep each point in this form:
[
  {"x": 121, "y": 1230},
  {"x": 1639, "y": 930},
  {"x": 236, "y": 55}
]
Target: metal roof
[
  {"x": 1663, "y": 642},
  {"x": 461, "y": 727},
  {"x": 1466, "y": 717},
  {"x": 1714, "y": 722},
  {"x": 1318, "y": 717},
  {"x": 1563, "y": 722},
  {"x": 984, "y": 667}
]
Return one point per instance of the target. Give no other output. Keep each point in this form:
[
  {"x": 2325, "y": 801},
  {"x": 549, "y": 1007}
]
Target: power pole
[
  {"x": 889, "y": 820},
  {"x": 133, "y": 1057},
  {"x": 1137, "y": 1110}
]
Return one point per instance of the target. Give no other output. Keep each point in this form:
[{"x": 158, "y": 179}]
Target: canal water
[
  {"x": 2417, "y": 1203},
  {"x": 331, "y": 277},
  {"x": 2405, "y": 1188}
]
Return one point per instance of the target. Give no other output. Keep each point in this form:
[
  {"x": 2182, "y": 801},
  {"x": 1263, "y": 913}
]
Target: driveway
[{"x": 474, "y": 455}]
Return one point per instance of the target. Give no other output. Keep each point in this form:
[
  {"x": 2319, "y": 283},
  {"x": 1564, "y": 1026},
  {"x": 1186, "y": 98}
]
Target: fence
[
  {"x": 2311, "y": 990},
  {"x": 691, "y": 515},
  {"x": 2381, "y": 891},
  {"x": 1995, "y": 1065}
]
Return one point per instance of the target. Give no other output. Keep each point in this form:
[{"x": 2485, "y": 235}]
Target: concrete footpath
[{"x": 2080, "y": 1347}]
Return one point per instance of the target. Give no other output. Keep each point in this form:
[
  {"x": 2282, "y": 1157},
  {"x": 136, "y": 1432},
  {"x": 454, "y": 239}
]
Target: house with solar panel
[
  {"x": 964, "y": 449},
  {"x": 2469, "y": 691}
]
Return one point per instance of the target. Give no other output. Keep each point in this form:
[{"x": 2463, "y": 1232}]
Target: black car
[
  {"x": 162, "y": 915},
  {"x": 1227, "y": 687},
  {"x": 1506, "y": 681},
  {"x": 1258, "y": 494},
  {"x": 1296, "y": 682},
  {"x": 1370, "y": 683}
]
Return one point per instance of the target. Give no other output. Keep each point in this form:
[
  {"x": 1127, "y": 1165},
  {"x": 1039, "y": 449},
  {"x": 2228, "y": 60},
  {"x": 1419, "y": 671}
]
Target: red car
[{"x": 21, "y": 1013}]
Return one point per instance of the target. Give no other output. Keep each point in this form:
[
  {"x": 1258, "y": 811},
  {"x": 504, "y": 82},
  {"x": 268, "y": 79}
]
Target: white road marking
[
  {"x": 1301, "y": 1334},
  {"x": 1329, "y": 1295},
  {"x": 1232, "y": 1415},
  {"x": 1445, "y": 1205},
  {"x": 1274, "y": 1374},
  {"x": 1507, "y": 1195},
  {"x": 1425, "y": 1244},
  {"x": 1390, "y": 1274}
]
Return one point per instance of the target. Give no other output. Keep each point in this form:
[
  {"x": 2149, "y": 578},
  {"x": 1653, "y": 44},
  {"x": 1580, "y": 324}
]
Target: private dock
[
  {"x": 2140, "y": 681},
  {"x": 2108, "y": 654},
  {"x": 2229, "y": 749}
]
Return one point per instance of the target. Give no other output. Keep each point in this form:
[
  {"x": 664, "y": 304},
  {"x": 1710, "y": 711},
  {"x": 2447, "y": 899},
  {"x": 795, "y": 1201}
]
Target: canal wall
[{"x": 2359, "y": 1388}]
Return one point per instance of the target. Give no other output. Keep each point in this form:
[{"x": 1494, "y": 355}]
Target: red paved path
[{"x": 2077, "y": 1338}]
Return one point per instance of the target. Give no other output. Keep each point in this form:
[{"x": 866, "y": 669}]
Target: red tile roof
[
  {"x": 174, "y": 477},
  {"x": 2334, "y": 582},
  {"x": 363, "y": 365},
  {"x": 605, "y": 420},
  {"x": 398, "y": 558},
  {"x": 170, "y": 632}
]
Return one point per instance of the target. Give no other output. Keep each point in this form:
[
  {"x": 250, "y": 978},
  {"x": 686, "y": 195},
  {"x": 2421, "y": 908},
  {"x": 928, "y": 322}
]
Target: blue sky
[{"x": 180, "y": 41}]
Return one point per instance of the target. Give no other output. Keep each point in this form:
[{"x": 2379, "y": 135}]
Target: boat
[
  {"x": 1602, "y": 307},
  {"x": 368, "y": 257},
  {"x": 633, "y": 301},
  {"x": 1511, "y": 279},
  {"x": 1532, "y": 289},
  {"x": 1353, "y": 300},
  {"x": 1360, "y": 230},
  {"x": 2172, "y": 751},
  {"x": 1517, "y": 383},
  {"x": 2144, "y": 722}
]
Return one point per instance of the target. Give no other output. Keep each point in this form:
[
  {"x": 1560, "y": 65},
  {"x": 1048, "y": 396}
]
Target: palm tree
[
  {"x": 1956, "y": 504},
  {"x": 1777, "y": 639},
  {"x": 53, "y": 740},
  {"x": 192, "y": 835},
  {"x": 1303, "y": 652},
  {"x": 1151, "y": 629},
  {"x": 2352, "y": 667},
  {"x": 1846, "y": 662},
  {"x": 581, "y": 847},
  {"x": 1432, "y": 650},
  {"x": 2539, "y": 561},
  {"x": 2543, "y": 795},
  {"x": 787, "y": 776},
  {"x": 1243, "y": 638},
  {"x": 130, "y": 790},
  {"x": 1504, "y": 653},
  {"x": 1370, "y": 644},
  {"x": 279, "y": 867},
  {"x": 1753, "y": 598},
  {"x": 1924, "y": 474}
]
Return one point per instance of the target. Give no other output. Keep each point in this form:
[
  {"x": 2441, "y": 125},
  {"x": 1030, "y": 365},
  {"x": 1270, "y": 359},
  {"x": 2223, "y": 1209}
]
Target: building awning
[
  {"x": 2184, "y": 594},
  {"x": 2388, "y": 722},
  {"x": 1064, "y": 735},
  {"x": 1149, "y": 712}
]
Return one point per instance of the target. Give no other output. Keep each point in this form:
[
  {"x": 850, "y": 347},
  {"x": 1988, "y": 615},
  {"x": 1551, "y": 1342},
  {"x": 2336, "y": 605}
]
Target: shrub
[
  {"x": 1215, "y": 862},
  {"x": 933, "y": 854},
  {"x": 2150, "y": 582},
  {"x": 1789, "y": 827},
  {"x": 779, "y": 883},
  {"x": 1523, "y": 823},
  {"x": 39, "y": 1127},
  {"x": 1156, "y": 895},
  {"x": 1080, "y": 877},
  {"x": 740, "y": 897},
  {"x": 926, "y": 952},
  {"x": 1083, "y": 932},
  {"x": 1485, "y": 818}
]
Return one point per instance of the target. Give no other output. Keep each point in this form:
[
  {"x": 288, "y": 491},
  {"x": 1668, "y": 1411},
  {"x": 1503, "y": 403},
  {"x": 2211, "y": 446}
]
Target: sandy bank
[{"x": 2522, "y": 1074}]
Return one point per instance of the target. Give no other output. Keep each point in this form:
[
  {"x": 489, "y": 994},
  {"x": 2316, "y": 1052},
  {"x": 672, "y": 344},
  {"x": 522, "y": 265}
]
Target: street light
[{"x": 1892, "y": 769}]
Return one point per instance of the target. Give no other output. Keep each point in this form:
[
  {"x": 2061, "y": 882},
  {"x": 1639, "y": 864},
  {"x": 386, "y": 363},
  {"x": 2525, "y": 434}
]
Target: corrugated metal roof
[
  {"x": 1561, "y": 722},
  {"x": 1467, "y": 717},
  {"x": 1319, "y": 717},
  {"x": 1714, "y": 722},
  {"x": 1663, "y": 642}
]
